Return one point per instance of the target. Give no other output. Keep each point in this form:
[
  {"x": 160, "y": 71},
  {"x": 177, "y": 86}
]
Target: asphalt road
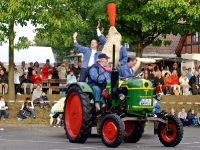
[{"x": 29, "y": 137}]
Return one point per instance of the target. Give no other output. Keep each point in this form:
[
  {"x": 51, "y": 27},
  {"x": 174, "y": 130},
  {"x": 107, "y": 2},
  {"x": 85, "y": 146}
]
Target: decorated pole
[{"x": 111, "y": 7}]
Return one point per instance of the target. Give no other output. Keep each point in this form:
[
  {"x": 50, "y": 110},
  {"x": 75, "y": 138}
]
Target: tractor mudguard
[{"x": 83, "y": 86}]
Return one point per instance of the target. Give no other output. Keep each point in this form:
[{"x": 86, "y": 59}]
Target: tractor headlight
[{"x": 122, "y": 97}]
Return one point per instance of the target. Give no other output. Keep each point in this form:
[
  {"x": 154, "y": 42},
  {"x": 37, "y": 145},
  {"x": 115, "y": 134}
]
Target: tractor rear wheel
[
  {"x": 133, "y": 131},
  {"x": 112, "y": 130},
  {"x": 170, "y": 135},
  {"x": 77, "y": 115}
]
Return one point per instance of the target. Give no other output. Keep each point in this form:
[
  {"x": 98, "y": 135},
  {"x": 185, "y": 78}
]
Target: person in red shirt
[
  {"x": 35, "y": 79},
  {"x": 175, "y": 81},
  {"x": 47, "y": 70}
]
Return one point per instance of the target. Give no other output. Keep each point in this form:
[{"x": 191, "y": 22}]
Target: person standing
[
  {"x": 47, "y": 70},
  {"x": 17, "y": 81},
  {"x": 3, "y": 82},
  {"x": 90, "y": 56},
  {"x": 55, "y": 71},
  {"x": 30, "y": 69},
  {"x": 22, "y": 68},
  {"x": 195, "y": 83}
]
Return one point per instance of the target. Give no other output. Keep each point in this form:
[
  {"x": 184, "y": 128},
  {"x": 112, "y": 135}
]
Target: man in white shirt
[
  {"x": 90, "y": 56},
  {"x": 3, "y": 108},
  {"x": 17, "y": 75}
]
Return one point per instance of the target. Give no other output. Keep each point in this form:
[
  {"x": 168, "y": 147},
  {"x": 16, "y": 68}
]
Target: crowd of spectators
[
  {"x": 187, "y": 118},
  {"x": 175, "y": 81},
  {"x": 28, "y": 77}
]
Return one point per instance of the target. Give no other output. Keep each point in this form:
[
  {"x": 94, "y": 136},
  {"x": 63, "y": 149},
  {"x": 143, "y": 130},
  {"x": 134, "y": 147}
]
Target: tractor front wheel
[
  {"x": 77, "y": 115},
  {"x": 170, "y": 134},
  {"x": 112, "y": 130},
  {"x": 133, "y": 131}
]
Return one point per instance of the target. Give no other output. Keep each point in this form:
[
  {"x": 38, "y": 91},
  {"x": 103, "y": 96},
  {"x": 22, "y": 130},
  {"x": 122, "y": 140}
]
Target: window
[{"x": 196, "y": 37}]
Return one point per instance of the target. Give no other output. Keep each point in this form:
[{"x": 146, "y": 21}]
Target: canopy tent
[{"x": 32, "y": 54}]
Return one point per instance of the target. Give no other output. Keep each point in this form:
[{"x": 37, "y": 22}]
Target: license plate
[{"x": 145, "y": 101}]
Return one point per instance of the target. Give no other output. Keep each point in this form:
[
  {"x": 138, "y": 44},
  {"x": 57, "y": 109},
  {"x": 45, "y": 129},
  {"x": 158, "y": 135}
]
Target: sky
[{"x": 27, "y": 31}]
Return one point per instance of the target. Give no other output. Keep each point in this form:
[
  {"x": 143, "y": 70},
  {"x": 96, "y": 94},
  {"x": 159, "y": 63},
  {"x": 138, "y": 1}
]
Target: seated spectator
[
  {"x": 26, "y": 82},
  {"x": 175, "y": 83},
  {"x": 172, "y": 112},
  {"x": 71, "y": 77},
  {"x": 17, "y": 75},
  {"x": 189, "y": 73},
  {"x": 192, "y": 118},
  {"x": 35, "y": 79},
  {"x": 159, "y": 83},
  {"x": 184, "y": 83},
  {"x": 194, "y": 83},
  {"x": 3, "y": 108},
  {"x": 45, "y": 100},
  {"x": 31, "y": 107},
  {"x": 36, "y": 96},
  {"x": 182, "y": 115},
  {"x": 3, "y": 82},
  {"x": 167, "y": 83},
  {"x": 25, "y": 112}
]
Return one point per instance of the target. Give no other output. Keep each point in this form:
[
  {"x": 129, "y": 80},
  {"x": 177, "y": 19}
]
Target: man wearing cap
[
  {"x": 26, "y": 81},
  {"x": 126, "y": 70},
  {"x": 90, "y": 56},
  {"x": 99, "y": 73}
]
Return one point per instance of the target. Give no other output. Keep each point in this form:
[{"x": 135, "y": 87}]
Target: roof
[
  {"x": 169, "y": 49},
  {"x": 32, "y": 54}
]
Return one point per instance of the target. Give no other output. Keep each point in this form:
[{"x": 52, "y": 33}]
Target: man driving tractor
[{"x": 98, "y": 75}]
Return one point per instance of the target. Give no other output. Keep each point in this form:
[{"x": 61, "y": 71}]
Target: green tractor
[{"x": 129, "y": 105}]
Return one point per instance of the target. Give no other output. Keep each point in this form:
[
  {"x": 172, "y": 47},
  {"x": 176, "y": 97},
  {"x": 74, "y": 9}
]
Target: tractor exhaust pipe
[{"x": 114, "y": 79}]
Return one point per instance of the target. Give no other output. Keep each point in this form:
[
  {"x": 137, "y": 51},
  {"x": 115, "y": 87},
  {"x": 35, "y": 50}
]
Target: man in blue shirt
[
  {"x": 90, "y": 56},
  {"x": 126, "y": 70},
  {"x": 123, "y": 53},
  {"x": 99, "y": 74}
]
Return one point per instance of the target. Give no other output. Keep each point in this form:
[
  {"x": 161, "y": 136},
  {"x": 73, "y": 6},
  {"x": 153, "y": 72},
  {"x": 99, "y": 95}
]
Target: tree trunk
[
  {"x": 139, "y": 52},
  {"x": 11, "y": 93}
]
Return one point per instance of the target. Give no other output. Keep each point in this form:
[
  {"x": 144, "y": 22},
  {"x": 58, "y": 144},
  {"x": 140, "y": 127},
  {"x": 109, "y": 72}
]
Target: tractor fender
[{"x": 83, "y": 86}]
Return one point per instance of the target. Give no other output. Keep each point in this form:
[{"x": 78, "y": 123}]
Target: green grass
[{"x": 42, "y": 117}]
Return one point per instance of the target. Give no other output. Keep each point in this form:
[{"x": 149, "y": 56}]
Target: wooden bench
[{"x": 51, "y": 83}]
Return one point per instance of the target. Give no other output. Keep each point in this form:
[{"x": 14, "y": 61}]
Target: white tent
[{"x": 32, "y": 54}]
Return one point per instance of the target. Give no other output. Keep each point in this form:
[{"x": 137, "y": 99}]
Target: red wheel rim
[
  {"x": 109, "y": 130},
  {"x": 73, "y": 115},
  {"x": 129, "y": 128},
  {"x": 168, "y": 137}
]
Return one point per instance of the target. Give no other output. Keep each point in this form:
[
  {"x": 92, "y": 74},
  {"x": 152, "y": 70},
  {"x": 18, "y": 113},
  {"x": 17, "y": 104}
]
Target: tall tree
[
  {"x": 141, "y": 21},
  {"x": 49, "y": 15}
]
